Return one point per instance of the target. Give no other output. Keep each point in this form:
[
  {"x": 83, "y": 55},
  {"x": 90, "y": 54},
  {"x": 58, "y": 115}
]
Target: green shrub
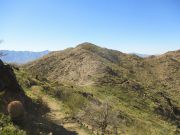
[
  {"x": 74, "y": 101},
  {"x": 11, "y": 130},
  {"x": 7, "y": 127}
]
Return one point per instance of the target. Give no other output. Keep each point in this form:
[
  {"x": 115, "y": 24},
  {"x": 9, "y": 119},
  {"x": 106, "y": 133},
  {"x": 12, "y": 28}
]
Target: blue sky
[{"x": 141, "y": 26}]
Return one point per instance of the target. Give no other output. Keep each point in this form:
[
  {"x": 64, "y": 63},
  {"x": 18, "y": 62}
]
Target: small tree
[{"x": 102, "y": 117}]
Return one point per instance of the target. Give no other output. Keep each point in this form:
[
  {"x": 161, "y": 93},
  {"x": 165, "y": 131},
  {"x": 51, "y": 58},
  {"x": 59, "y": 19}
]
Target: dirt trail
[{"x": 58, "y": 116}]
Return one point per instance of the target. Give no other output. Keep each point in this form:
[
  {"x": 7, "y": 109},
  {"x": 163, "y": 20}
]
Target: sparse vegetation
[
  {"x": 128, "y": 82},
  {"x": 101, "y": 118},
  {"x": 105, "y": 91},
  {"x": 7, "y": 127},
  {"x": 74, "y": 101}
]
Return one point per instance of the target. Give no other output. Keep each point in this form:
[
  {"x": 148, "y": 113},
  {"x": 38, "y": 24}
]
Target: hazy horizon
[
  {"x": 138, "y": 53},
  {"x": 145, "y": 27}
]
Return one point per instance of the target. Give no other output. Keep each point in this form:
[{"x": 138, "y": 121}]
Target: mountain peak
[
  {"x": 86, "y": 43},
  {"x": 87, "y": 46}
]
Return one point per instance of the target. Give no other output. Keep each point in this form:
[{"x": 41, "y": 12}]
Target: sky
[{"x": 140, "y": 26}]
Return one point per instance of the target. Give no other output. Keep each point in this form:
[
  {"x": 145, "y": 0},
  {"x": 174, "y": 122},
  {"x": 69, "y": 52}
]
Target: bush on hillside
[
  {"x": 7, "y": 128},
  {"x": 73, "y": 100}
]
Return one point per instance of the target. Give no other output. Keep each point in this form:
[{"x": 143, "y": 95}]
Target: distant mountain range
[
  {"x": 141, "y": 55},
  {"x": 21, "y": 57}
]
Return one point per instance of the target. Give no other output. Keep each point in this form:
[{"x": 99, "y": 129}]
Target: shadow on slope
[{"x": 33, "y": 122}]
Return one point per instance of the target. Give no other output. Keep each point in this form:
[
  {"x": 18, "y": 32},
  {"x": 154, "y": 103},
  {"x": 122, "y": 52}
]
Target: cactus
[{"x": 16, "y": 110}]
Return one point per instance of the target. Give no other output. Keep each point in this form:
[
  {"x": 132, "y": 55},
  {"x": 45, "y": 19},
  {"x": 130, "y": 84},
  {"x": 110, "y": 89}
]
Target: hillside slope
[
  {"x": 14, "y": 87},
  {"x": 143, "y": 91},
  {"x": 85, "y": 64}
]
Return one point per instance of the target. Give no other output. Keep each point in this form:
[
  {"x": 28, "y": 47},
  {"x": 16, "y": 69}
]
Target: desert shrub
[
  {"x": 7, "y": 128},
  {"x": 11, "y": 130},
  {"x": 57, "y": 93},
  {"x": 74, "y": 101},
  {"x": 15, "y": 110}
]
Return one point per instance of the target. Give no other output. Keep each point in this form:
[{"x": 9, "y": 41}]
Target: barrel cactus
[{"x": 16, "y": 110}]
